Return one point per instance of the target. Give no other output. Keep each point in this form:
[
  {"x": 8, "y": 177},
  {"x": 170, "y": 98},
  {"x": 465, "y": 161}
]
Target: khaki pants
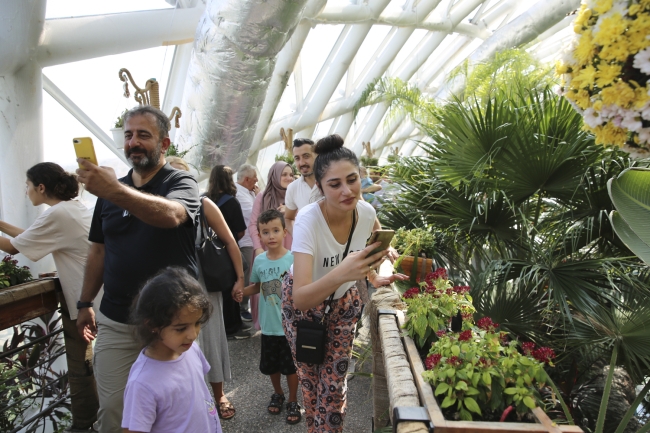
[
  {"x": 115, "y": 352},
  {"x": 83, "y": 393}
]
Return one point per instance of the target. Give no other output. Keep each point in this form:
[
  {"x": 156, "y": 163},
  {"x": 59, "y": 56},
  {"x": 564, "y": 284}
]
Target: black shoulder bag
[
  {"x": 311, "y": 336},
  {"x": 216, "y": 265}
]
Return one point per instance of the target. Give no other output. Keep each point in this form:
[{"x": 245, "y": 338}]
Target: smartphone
[
  {"x": 383, "y": 236},
  {"x": 83, "y": 147}
]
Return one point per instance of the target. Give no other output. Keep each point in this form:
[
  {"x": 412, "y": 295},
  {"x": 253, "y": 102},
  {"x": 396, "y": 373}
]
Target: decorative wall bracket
[{"x": 149, "y": 95}]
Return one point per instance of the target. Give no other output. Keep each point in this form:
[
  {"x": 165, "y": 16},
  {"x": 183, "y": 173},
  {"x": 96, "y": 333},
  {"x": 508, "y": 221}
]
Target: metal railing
[{"x": 31, "y": 390}]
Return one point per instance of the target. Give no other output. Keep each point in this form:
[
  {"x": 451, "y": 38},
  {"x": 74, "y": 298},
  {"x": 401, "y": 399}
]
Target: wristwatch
[{"x": 81, "y": 305}]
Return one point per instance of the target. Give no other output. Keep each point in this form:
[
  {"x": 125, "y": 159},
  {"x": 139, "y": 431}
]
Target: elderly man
[
  {"x": 246, "y": 191},
  {"x": 142, "y": 223}
]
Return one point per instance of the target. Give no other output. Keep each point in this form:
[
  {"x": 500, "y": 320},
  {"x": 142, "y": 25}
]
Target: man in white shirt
[
  {"x": 304, "y": 190},
  {"x": 246, "y": 191}
]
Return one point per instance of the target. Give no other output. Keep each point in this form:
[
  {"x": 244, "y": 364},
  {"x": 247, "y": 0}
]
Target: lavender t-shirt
[{"x": 170, "y": 396}]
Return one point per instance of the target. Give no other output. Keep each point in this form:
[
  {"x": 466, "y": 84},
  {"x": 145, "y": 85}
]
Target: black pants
[{"x": 231, "y": 314}]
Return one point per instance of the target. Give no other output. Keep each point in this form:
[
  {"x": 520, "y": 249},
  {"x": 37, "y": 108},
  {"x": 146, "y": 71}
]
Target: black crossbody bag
[{"x": 311, "y": 336}]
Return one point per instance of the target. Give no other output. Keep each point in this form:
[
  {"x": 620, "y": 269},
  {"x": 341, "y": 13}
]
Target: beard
[
  {"x": 310, "y": 173},
  {"x": 146, "y": 161}
]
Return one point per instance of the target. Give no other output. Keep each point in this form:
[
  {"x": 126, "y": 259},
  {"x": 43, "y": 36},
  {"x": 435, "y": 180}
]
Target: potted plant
[
  {"x": 118, "y": 130},
  {"x": 11, "y": 274},
  {"x": 412, "y": 244}
]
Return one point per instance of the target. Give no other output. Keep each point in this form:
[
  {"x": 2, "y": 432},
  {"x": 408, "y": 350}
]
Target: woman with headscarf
[{"x": 280, "y": 176}]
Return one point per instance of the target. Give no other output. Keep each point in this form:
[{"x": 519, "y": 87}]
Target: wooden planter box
[
  {"x": 26, "y": 301},
  {"x": 544, "y": 423},
  {"x": 424, "y": 266}
]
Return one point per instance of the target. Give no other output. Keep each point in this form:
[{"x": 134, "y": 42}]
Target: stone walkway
[{"x": 250, "y": 392}]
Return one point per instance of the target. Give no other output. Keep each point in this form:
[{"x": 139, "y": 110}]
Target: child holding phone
[{"x": 166, "y": 390}]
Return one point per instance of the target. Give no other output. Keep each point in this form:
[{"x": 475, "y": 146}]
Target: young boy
[{"x": 266, "y": 275}]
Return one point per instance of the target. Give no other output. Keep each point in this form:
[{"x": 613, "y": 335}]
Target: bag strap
[
  {"x": 345, "y": 253},
  {"x": 223, "y": 199},
  {"x": 204, "y": 227}
]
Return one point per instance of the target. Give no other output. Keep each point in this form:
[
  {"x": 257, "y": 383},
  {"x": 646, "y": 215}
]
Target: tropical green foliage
[
  {"x": 515, "y": 194},
  {"x": 630, "y": 192}
]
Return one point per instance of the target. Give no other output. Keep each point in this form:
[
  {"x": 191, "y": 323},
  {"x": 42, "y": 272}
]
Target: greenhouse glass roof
[{"x": 345, "y": 46}]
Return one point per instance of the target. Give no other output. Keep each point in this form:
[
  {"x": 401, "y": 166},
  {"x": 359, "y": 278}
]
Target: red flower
[
  {"x": 455, "y": 361},
  {"x": 432, "y": 361},
  {"x": 482, "y": 362},
  {"x": 439, "y": 273},
  {"x": 441, "y": 333},
  {"x": 461, "y": 289},
  {"x": 487, "y": 324},
  {"x": 465, "y": 335},
  {"x": 528, "y": 347},
  {"x": 430, "y": 289},
  {"x": 411, "y": 293},
  {"x": 544, "y": 354}
]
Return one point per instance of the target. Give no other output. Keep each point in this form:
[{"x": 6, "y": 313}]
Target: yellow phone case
[{"x": 83, "y": 147}]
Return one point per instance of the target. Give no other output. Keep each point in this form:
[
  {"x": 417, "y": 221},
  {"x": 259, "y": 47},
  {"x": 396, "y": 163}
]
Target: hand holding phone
[
  {"x": 383, "y": 236},
  {"x": 83, "y": 147}
]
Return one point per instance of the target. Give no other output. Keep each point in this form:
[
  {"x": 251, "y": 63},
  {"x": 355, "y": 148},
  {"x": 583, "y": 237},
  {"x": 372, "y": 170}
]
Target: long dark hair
[
  {"x": 221, "y": 182},
  {"x": 328, "y": 150},
  {"x": 58, "y": 183},
  {"x": 160, "y": 300}
]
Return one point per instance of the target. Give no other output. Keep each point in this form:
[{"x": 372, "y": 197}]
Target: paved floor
[{"x": 250, "y": 392}]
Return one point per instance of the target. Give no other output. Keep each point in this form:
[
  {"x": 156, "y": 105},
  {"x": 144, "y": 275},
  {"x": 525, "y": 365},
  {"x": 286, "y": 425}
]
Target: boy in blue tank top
[{"x": 266, "y": 276}]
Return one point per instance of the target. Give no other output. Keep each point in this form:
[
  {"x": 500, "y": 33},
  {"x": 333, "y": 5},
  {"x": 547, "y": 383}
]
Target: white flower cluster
[{"x": 620, "y": 117}]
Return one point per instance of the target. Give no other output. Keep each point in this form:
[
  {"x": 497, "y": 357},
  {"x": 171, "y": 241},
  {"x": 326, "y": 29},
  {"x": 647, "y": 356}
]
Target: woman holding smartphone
[
  {"x": 62, "y": 230},
  {"x": 322, "y": 232}
]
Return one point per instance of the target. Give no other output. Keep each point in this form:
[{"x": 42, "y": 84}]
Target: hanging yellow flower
[{"x": 606, "y": 71}]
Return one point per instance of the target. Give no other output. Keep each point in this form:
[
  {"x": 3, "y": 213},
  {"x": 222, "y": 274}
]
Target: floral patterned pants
[{"x": 324, "y": 386}]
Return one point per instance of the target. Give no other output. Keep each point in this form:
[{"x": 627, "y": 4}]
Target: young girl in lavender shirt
[{"x": 166, "y": 390}]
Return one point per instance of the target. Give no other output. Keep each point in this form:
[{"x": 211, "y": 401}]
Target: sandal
[
  {"x": 293, "y": 411},
  {"x": 223, "y": 407},
  {"x": 276, "y": 403}
]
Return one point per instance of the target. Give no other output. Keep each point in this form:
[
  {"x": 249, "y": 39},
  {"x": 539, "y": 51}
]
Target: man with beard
[
  {"x": 142, "y": 223},
  {"x": 304, "y": 190}
]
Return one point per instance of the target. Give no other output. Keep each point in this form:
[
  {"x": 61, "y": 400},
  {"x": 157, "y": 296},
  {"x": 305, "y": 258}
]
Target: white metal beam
[
  {"x": 420, "y": 55},
  {"x": 375, "y": 68},
  {"x": 82, "y": 117},
  {"x": 67, "y": 40},
  {"x": 327, "y": 80}
]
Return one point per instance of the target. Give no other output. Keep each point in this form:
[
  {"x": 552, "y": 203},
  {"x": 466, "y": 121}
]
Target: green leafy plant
[
  {"x": 173, "y": 150},
  {"x": 630, "y": 193},
  {"x": 369, "y": 161},
  {"x": 119, "y": 122},
  {"x": 12, "y": 274},
  {"x": 478, "y": 372},
  {"x": 434, "y": 304},
  {"x": 29, "y": 377},
  {"x": 288, "y": 159},
  {"x": 10, "y": 390},
  {"x": 413, "y": 242}
]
